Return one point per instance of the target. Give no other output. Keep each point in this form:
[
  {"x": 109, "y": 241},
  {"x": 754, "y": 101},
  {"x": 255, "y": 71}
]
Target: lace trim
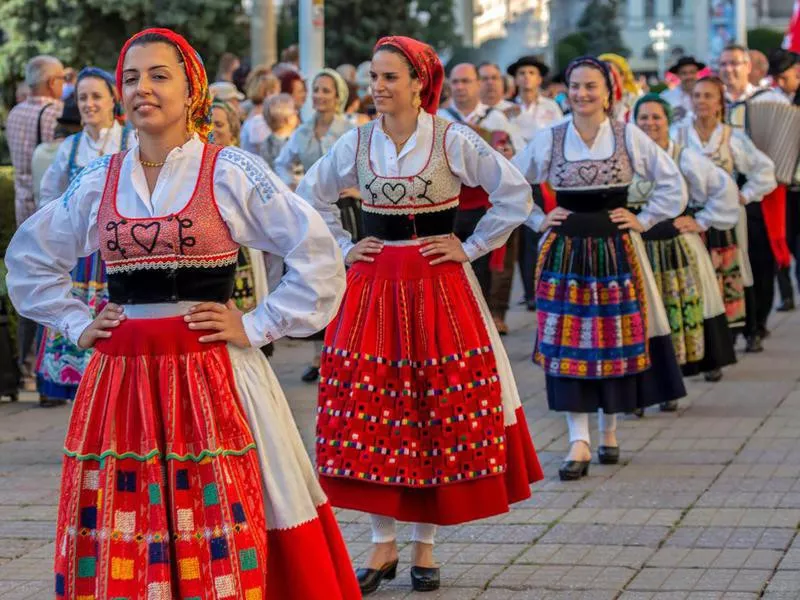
[
  {"x": 408, "y": 209},
  {"x": 176, "y": 262}
]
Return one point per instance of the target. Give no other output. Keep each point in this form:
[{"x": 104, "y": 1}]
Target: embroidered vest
[
  {"x": 404, "y": 208},
  {"x": 722, "y": 156},
  {"x": 188, "y": 255},
  {"x": 590, "y": 185}
]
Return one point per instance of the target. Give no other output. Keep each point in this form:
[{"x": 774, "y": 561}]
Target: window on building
[
  {"x": 649, "y": 9},
  {"x": 677, "y": 8}
]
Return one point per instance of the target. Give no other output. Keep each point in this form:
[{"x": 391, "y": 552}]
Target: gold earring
[
  {"x": 606, "y": 104},
  {"x": 416, "y": 101}
]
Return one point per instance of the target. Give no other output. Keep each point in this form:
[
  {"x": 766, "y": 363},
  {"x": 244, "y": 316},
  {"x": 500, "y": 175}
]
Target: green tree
[
  {"x": 84, "y": 32},
  {"x": 569, "y": 47},
  {"x": 764, "y": 39},
  {"x": 599, "y": 26},
  {"x": 353, "y": 26}
]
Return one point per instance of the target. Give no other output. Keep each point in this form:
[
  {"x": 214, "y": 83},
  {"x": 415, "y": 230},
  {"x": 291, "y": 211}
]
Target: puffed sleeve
[
  {"x": 534, "y": 163},
  {"x": 753, "y": 164},
  {"x": 56, "y": 178},
  {"x": 712, "y": 188},
  {"x": 288, "y": 156},
  {"x": 46, "y": 248},
  {"x": 477, "y": 164},
  {"x": 262, "y": 213},
  {"x": 669, "y": 196},
  {"x": 321, "y": 185}
]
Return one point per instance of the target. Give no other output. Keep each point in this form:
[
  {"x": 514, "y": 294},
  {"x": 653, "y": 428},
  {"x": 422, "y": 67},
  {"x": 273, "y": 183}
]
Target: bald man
[{"x": 759, "y": 67}]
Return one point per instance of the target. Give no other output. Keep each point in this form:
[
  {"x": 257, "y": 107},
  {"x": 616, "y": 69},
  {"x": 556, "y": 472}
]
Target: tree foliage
[
  {"x": 600, "y": 28},
  {"x": 570, "y": 47},
  {"x": 353, "y": 26},
  {"x": 764, "y": 39},
  {"x": 82, "y": 32}
]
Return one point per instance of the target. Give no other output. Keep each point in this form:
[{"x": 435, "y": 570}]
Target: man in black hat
[
  {"x": 784, "y": 68},
  {"x": 536, "y": 111},
  {"x": 680, "y": 97}
]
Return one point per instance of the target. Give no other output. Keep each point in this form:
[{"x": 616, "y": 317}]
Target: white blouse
[
  {"x": 56, "y": 179},
  {"x": 254, "y": 133},
  {"x": 710, "y": 187},
  {"x": 666, "y": 201},
  {"x": 471, "y": 159},
  {"x": 257, "y": 207},
  {"x": 748, "y": 160},
  {"x": 488, "y": 118}
]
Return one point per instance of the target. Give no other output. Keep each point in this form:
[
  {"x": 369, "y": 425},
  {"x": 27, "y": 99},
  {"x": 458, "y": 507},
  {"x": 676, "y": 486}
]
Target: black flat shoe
[
  {"x": 764, "y": 333},
  {"x": 786, "y": 306},
  {"x": 713, "y": 376},
  {"x": 46, "y": 402},
  {"x": 531, "y": 306},
  {"x": 425, "y": 579},
  {"x": 370, "y": 579},
  {"x": 572, "y": 470},
  {"x": 671, "y": 406},
  {"x": 310, "y": 375},
  {"x": 639, "y": 412},
  {"x": 754, "y": 344},
  {"x": 608, "y": 455}
]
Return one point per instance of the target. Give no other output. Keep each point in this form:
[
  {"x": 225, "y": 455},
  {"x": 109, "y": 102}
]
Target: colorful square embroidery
[
  {"x": 154, "y": 492},
  {"x": 185, "y": 519},
  {"x": 225, "y": 585},
  {"x": 87, "y": 566},
  {"x": 238, "y": 512},
  {"x": 182, "y": 479},
  {"x": 89, "y": 517},
  {"x": 91, "y": 480},
  {"x": 126, "y": 481},
  {"x": 125, "y": 521},
  {"x": 248, "y": 559},
  {"x": 219, "y": 548},
  {"x": 253, "y": 594},
  {"x": 159, "y": 591},
  {"x": 210, "y": 494},
  {"x": 189, "y": 569},
  {"x": 159, "y": 554},
  {"x": 121, "y": 568}
]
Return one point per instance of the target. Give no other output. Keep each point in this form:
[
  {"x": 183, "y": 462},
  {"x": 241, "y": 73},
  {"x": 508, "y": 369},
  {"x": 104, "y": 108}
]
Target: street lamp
[{"x": 660, "y": 35}]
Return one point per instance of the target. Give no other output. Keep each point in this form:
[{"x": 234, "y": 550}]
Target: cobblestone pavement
[{"x": 704, "y": 505}]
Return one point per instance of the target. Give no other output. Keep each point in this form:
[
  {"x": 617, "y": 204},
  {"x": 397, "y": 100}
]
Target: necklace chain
[{"x": 147, "y": 163}]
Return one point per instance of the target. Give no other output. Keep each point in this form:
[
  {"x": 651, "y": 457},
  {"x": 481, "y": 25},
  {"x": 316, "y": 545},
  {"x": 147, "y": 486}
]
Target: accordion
[{"x": 775, "y": 130}]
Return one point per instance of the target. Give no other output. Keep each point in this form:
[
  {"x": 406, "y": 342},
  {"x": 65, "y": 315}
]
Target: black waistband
[
  {"x": 146, "y": 286},
  {"x": 593, "y": 200},
  {"x": 408, "y": 227}
]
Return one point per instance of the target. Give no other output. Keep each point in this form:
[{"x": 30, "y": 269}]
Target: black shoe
[
  {"x": 764, "y": 332},
  {"x": 786, "y": 306},
  {"x": 370, "y": 579},
  {"x": 670, "y": 406},
  {"x": 46, "y": 402},
  {"x": 713, "y": 376},
  {"x": 572, "y": 470},
  {"x": 608, "y": 455},
  {"x": 531, "y": 305},
  {"x": 311, "y": 374},
  {"x": 425, "y": 579},
  {"x": 639, "y": 412},
  {"x": 754, "y": 344}
]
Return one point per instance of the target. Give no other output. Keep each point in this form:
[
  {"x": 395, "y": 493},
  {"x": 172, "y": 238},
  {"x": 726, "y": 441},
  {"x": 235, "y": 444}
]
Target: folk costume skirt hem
[
  {"x": 419, "y": 417},
  {"x": 603, "y": 339}
]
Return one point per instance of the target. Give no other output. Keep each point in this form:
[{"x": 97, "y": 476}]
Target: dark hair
[
  {"x": 487, "y": 63},
  {"x": 352, "y": 94},
  {"x": 395, "y": 50},
  {"x": 157, "y": 38},
  {"x": 226, "y": 61},
  {"x": 718, "y": 83}
]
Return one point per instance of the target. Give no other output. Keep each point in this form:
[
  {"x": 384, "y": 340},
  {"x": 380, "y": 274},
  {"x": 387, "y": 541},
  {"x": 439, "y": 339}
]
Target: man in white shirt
[
  {"x": 493, "y": 89},
  {"x": 536, "y": 110},
  {"x": 759, "y": 68},
  {"x": 734, "y": 70},
  {"x": 680, "y": 97}
]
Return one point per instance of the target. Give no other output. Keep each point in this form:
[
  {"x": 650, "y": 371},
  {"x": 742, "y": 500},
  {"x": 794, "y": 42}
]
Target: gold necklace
[{"x": 147, "y": 163}]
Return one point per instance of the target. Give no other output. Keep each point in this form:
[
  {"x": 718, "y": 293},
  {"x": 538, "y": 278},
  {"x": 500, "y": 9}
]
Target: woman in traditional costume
[
  {"x": 184, "y": 473},
  {"x": 309, "y": 142},
  {"x": 419, "y": 417},
  {"x": 59, "y": 363},
  {"x": 685, "y": 276},
  {"x": 734, "y": 152},
  {"x": 603, "y": 338}
]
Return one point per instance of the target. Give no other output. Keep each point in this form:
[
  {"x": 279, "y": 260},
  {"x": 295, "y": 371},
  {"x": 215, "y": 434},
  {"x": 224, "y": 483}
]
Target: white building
[
  {"x": 687, "y": 19},
  {"x": 482, "y": 20}
]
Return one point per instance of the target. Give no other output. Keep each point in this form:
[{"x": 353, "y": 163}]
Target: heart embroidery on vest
[
  {"x": 588, "y": 173},
  {"x": 146, "y": 238},
  {"x": 394, "y": 192}
]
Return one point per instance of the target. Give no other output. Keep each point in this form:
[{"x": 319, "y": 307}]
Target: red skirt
[
  {"x": 161, "y": 492},
  {"x": 413, "y": 421}
]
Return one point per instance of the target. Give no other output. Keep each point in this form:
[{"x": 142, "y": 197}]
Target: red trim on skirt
[
  {"x": 448, "y": 504},
  {"x": 310, "y": 562}
]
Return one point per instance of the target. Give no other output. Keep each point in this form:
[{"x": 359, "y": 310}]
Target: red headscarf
[
  {"x": 200, "y": 108},
  {"x": 425, "y": 62}
]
